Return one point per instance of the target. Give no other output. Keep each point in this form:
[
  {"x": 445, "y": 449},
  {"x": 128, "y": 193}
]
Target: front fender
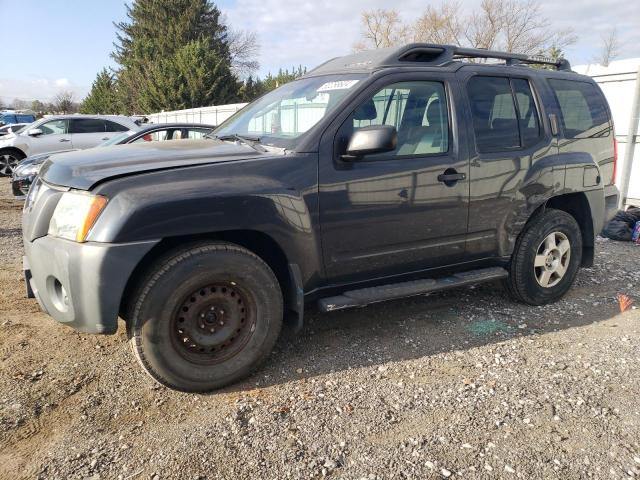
[{"x": 276, "y": 197}]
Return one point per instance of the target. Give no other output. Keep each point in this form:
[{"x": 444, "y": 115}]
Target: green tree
[
  {"x": 251, "y": 89},
  {"x": 193, "y": 76},
  {"x": 102, "y": 97},
  {"x": 170, "y": 48},
  {"x": 272, "y": 82},
  {"x": 38, "y": 107}
]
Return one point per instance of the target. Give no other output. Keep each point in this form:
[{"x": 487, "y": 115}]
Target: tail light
[{"x": 615, "y": 159}]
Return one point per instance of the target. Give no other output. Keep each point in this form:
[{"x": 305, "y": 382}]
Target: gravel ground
[{"x": 461, "y": 384}]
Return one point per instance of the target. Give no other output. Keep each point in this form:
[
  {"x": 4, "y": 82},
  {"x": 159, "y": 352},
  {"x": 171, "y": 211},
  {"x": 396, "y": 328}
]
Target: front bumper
[{"x": 81, "y": 284}]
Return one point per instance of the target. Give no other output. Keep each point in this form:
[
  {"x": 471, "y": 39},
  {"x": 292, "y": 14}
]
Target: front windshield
[
  {"x": 280, "y": 117},
  {"x": 115, "y": 139}
]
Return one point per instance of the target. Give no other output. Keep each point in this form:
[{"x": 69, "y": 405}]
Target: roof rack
[
  {"x": 511, "y": 58},
  {"x": 429, "y": 54}
]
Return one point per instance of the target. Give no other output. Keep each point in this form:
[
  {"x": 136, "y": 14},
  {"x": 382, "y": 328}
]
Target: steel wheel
[
  {"x": 552, "y": 259},
  {"x": 7, "y": 163},
  {"x": 213, "y": 324}
]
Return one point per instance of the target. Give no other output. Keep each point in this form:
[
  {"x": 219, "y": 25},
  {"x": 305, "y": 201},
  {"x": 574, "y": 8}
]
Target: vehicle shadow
[{"x": 417, "y": 327}]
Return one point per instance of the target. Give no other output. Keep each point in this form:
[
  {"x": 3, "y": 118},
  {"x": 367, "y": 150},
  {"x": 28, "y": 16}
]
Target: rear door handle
[
  {"x": 65, "y": 140},
  {"x": 105, "y": 138}
]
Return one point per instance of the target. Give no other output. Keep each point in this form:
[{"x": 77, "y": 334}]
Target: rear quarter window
[{"x": 583, "y": 111}]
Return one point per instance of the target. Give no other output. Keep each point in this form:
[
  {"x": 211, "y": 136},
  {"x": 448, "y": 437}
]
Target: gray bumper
[{"x": 81, "y": 284}]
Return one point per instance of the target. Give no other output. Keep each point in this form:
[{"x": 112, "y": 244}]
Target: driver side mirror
[
  {"x": 34, "y": 132},
  {"x": 370, "y": 140}
]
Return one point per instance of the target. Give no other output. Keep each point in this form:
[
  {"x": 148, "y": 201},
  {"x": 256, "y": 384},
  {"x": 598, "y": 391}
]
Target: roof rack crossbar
[{"x": 511, "y": 58}]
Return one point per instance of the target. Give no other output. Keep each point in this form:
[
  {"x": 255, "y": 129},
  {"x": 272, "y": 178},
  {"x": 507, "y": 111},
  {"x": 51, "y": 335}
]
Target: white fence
[{"x": 211, "y": 115}]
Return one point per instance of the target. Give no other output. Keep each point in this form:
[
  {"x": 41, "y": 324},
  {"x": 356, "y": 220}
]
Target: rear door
[
  {"x": 393, "y": 213},
  {"x": 88, "y": 132},
  {"x": 507, "y": 137}
]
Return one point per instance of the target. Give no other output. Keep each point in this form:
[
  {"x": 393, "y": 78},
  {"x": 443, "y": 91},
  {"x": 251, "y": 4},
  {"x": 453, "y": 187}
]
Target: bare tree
[
  {"x": 511, "y": 25},
  {"x": 63, "y": 102},
  {"x": 20, "y": 104},
  {"x": 439, "y": 24},
  {"x": 244, "y": 50},
  {"x": 610, "y": 47},
  {"x": 382, "y": 29}
]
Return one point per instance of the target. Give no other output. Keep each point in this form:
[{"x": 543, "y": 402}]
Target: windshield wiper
[{"x": 253, "y": 142}]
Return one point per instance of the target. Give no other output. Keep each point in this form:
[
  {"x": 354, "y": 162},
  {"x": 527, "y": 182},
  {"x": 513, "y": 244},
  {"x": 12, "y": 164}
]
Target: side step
[{"x": 366, "y": 296}]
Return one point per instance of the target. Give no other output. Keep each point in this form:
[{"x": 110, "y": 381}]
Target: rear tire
[
  {"x": 205, "y": 317},
  {"x": 546, "y": 258}
]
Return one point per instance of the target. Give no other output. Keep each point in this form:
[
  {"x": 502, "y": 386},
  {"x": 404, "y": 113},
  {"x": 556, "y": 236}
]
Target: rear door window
[
  {"x": 583, "y": 111},
  {"x": 505, "y": 116},
  {"x": 114, "y": 127},
  {"x": 87, "y": 125},
  {"x": 494, "y": 114},
  {"x": 528, "y": 118}
]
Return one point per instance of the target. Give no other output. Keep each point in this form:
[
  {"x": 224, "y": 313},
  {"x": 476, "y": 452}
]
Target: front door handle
[
  {"x": 65, "y": 140},
  {"x": 105, "y": 138},
  {"x": 450, "y": 177}
]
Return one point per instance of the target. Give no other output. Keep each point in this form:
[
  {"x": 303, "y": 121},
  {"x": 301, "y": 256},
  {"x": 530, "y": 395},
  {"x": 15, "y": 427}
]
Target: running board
[{"x": 366, "y": 296}]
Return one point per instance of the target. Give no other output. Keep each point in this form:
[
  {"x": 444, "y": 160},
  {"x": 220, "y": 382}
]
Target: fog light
[{"x": 58, "y": 294}]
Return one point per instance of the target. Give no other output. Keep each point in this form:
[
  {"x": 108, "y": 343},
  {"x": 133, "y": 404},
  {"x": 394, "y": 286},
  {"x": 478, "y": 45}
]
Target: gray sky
[{"x": 67, "y": 42}]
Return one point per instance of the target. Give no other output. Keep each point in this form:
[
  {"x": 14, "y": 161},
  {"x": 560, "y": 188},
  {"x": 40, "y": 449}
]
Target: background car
[
  {"x": 8, "y": 117},
  {"x": 26, "y": 171},
  {"x": 58, "y": 133},
  {"x": 14, "y": 127}
]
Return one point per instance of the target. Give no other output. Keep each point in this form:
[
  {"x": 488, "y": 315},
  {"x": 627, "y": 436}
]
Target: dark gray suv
[{"x": 376, "y": 176}]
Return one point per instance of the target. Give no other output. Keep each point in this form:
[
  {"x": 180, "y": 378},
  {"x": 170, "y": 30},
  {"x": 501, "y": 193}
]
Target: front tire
[
  {"x": 546, "y": 258},
  {"x": 205, "y": 317},
  {"x": 9, "y": 161}
]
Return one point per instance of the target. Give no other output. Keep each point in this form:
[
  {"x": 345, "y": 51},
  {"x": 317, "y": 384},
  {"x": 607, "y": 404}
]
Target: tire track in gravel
[{"x": 22, "y": 449}]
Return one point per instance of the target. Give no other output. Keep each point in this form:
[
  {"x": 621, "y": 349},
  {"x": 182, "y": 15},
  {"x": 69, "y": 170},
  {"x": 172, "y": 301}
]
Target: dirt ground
[{"x": 461, "y": 384}]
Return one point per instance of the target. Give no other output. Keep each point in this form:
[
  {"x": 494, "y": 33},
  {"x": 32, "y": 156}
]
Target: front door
[
  {"x": 402, "y": 211},
  {"x": 54, "y": 137}
]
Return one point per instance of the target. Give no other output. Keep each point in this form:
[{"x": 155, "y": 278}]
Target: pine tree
[
  {"x": 171, "y": 49},
  {"x": 272, "y": 82},
  {"x": 251, "y": 89},
  {"x": 102, "y": 97},
  {"x": 193, "y": 76}
]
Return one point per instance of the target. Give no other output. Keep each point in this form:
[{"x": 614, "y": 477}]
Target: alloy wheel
[{"x": 552, "y": 259}]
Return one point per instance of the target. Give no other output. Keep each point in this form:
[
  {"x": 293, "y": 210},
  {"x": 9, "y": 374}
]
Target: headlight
[
  {"x": 75, "y": 214},
  {"x": 27, "y": 170}
]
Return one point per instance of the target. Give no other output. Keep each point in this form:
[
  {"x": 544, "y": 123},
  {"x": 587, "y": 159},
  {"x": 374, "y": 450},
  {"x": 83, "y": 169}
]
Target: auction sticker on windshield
[{"x": 337, "y": 85}]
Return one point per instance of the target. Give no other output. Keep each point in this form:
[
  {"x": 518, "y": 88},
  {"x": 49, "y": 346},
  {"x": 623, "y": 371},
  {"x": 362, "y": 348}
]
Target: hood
[
  {"x": 85, "y": 168},
  {"x": 41, "y": 157},
  {"x": 31, "y": 165},
  {"x": 7, "y": 137}
]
